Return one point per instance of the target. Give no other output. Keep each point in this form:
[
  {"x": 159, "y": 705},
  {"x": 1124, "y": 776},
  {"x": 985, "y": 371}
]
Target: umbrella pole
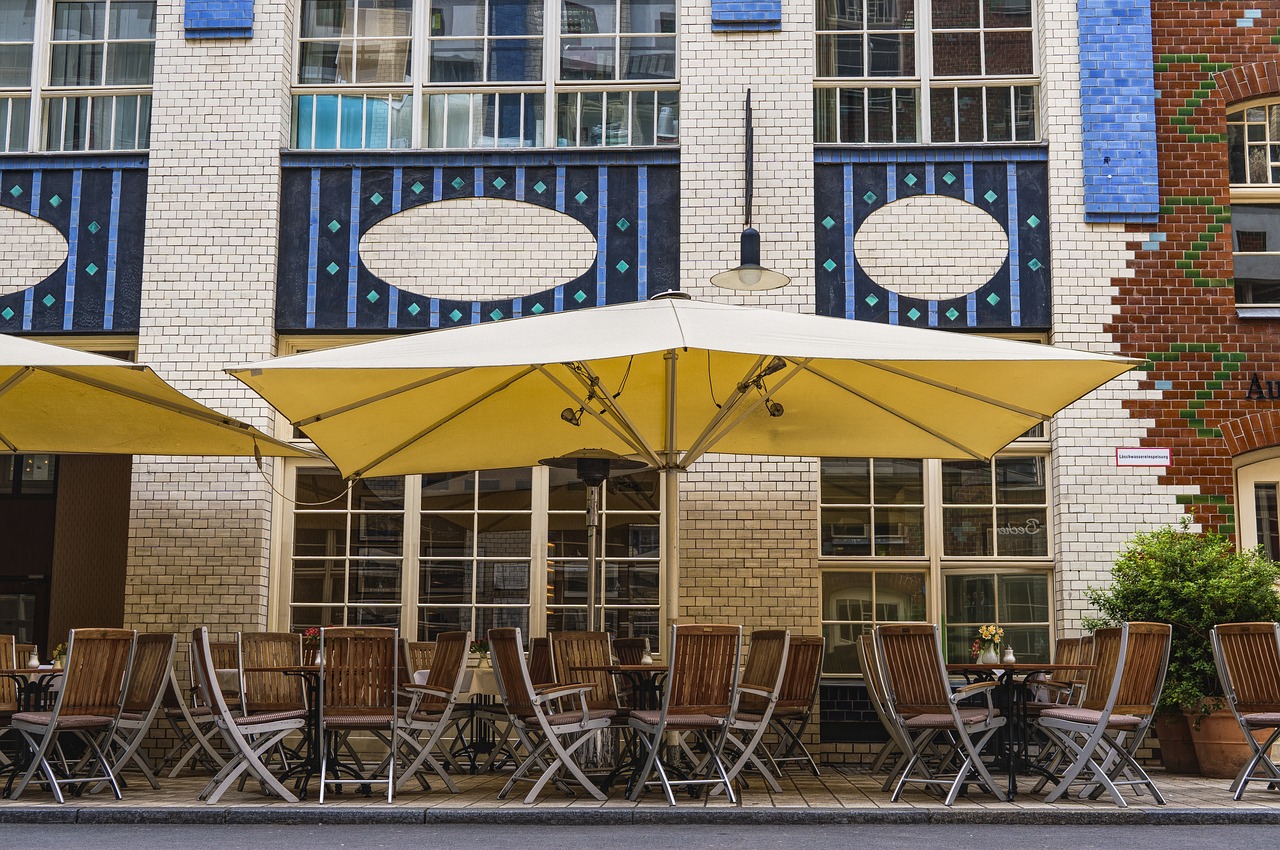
[
  {"x": 593, "y": 554},
  {"x": 671, "y": 543}
]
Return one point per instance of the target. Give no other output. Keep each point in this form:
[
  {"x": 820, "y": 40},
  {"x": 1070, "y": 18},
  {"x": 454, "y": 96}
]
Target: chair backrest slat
[
  {"x": 1107, "y": 644},
  {"x": 703, "y": 669},
  {"x": 571, "y": 651},
  {"x": 630, "y": 650},
  {"x": 1145, "y": 664},
  {"x": 914, "y": 673},
  {"x": 541, "y": 665},
  {"x": 448, "y": 663},
  {"x": 804, "y": 669},
  {"x": 8, "y": 687},
  {"x": 359, "y": 669},
  {"x": 765, "y": 668},
  {"x": 262, "y": 692},
  {"x": 1248, "y": 659},
  {"x": 512, "y": 671},
  {"x": 96, "y": 665},
  {"x": 149, "y": 673},
  {"x": 417, "y": 655}
]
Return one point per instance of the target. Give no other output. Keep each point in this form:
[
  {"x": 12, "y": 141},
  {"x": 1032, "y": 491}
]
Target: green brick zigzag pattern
[{"x": 1221, "y": 216}]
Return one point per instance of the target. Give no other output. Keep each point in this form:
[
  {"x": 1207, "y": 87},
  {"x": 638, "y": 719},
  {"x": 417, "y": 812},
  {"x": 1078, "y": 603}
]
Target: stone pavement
[{"x": 837, "y": 796}]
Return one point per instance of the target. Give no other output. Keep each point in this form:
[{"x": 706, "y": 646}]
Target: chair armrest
[
  {"x": 557, "y": 691},
  {"x": 985, "y": 688},
  {"x": 427, "y": 689},
  {"x": 760, "y": 692}
]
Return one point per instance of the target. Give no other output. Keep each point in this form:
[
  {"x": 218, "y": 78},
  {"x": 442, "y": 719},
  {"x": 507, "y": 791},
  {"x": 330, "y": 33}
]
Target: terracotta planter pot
[
  {"x": 1220, "y": 745},
  {"x": 1178, "y": 753}
]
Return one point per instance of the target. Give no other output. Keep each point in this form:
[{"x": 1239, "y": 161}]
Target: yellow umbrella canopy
[
  {"x": 666, "y": 381},
  {"x": 61, "y": 401}
]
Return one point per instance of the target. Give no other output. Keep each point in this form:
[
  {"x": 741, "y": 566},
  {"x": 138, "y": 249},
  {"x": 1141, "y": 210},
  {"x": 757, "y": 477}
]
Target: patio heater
[{"x": 593, "y": 466}]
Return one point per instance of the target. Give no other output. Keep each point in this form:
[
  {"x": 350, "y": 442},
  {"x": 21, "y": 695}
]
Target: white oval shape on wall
[
  {"x": 931, "y": 247},
  {"x": 478, "y": 249},
  {"x": 31, "y": 249}
]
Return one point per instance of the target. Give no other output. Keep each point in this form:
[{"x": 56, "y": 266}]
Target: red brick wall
[{"x": 1178, "y": 311}]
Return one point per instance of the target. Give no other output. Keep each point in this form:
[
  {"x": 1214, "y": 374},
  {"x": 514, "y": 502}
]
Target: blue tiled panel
[
  {"x": 219, "y": 18},
  {"x": 1117, "y": 90},
  {"x": 746, "y": 15}
]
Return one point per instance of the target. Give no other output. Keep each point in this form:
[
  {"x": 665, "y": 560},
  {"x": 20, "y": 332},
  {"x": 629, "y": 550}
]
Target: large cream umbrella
[
  {"x": 60, "y": 401},
  {"x": 666, "y": 381}
]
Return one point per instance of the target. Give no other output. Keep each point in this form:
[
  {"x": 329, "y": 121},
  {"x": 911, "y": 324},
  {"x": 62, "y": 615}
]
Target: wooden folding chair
[
  {"x": 88, "y": 706},
  {"x": 8, "y": 691},
  {"x": 431, "y": 711},
  {"x": 359, "y": 674},
  {"x": 148, "y": 680},
  {"x": 1247, "y": 656},
  {"x": 701, "y": 686},
  {"x": 796, "y": 700},
  {"x": 757, "y": 699},
  {"x": 537, "y": 722}
]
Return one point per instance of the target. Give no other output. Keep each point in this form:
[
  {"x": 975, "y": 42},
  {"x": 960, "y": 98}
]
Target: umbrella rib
[
  {"x": 697, "y": 448},
  {"x": 610, "y": 403},
  {"x": 903, "y": 416},
  {"x": 951, "y": 388},
  {"x": 444, "y": 420},
  {"x": 382, "y": 396},
  {"x": 709, "y": 438},
  {"x": 631, "y": 439}
]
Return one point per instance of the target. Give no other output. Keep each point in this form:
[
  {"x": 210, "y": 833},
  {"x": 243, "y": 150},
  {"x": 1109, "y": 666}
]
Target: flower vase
[
  {"x": 57, "y": 663},
  {"x": 484, "y": 663},
  {"x": 988, "y": 655}
]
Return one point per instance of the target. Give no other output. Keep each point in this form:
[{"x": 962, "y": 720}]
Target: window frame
[{"x": 1254, "y": 194}]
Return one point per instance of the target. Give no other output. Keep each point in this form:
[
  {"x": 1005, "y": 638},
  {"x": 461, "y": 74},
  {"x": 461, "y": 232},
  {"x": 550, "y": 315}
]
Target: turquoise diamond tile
[
  {"x": 911, "y": 180},
  {"x": 537, "y": 309},
  {"x": 455, "y": 315},
  {"x": 414, "y": 309},
  {"x": 7, "y": 313},
  {"x": 990, "y": 196},
  {"x": 48, "y": 300},
  {"x": 496, "y": 314},
  {"x": 623, "y": 224},
  {"x": 829, "y": 265},
  {"x": 993, "y": 299},
  {"x": 93, "y": 227},
  {"x": 376, "y": 198},
  {"x": 913, "y": 314},
  {"x": 333, "y": 226},
  {"x": 92, "y": 269},
  {"x": 622, "y": 266},
  {"x": 417, "y": 187},
  {"x": 372, "y": 296},
  {"x": 871, "y": 300},
  {"x": 332, "y": 268},
  {"x": 948, "y": 178},
  {"x": 579, "y": 296},
  {"x": 870, "y": 197},
  {"x": 539, "y": 187},
  {"x": 1035, "y": 265},
  {"x": 828, "y": 222},
  {"x": 951, "y": 314},
  {"x": 16, "y": 191},
  {"x": 499, "y": 183},
  {"x": 55, "y": 201},
  {"x": 458, "y": 183},
  {"x": 1033, "y": 221},
  {"x": 581, "y": 196}
]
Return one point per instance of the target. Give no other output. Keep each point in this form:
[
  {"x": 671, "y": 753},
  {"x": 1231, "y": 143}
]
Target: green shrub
[{"x": 1193, "y": 582}]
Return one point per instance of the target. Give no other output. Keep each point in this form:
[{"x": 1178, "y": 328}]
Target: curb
[{"x": 1133, "y": 816}]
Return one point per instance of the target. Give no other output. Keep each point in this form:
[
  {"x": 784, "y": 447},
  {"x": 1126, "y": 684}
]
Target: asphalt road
[{"x": 692, "y": 837}]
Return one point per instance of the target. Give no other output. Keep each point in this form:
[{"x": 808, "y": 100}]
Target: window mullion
[
  {"x": 410, "y": 573},
  {"x": 924, "y": 66},
  {"x": 42, "y": 55}
]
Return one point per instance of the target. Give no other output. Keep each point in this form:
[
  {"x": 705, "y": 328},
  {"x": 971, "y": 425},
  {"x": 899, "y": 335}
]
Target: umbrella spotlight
[
  {"x": 573, "y": 417},
  {"x": 775, "y": 408}
]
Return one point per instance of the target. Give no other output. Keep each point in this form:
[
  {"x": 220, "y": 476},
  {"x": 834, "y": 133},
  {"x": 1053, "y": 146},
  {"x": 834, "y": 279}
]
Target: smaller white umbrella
[{"x": 58, "y": 400}]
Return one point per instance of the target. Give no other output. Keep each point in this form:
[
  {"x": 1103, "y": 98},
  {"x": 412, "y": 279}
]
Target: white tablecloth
[{"x": 478, "y": 681}]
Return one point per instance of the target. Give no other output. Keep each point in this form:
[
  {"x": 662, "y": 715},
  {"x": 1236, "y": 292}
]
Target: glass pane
[
  {"x": 1004, "y": 14},
  {"x": 501, "y": 618},
  {"x": 15, "y": 65},
  {"x": 318, "y": 581},
  {"x": 446, "y": 536},
  {"x": 591, "y": 120},
  {"x": 401, "y": 121},
  {"x": 102, "y": 113},
  {"x": 327, "y": 18},
  {"x": 633, "y": 622},
  {"x": 1029, "y": 643},
  {"x": 954, "y": 14},
  {"x": 382, "y": 61},
  {"x": 647, "y": 58},
  {"x": 587, "y": 59},
  {"x": 482, "y": 122},
  {"x": 454, "y": 491},
  {"x": 966, "y": 482},
  {"x": 648, "y": 16},
  {"x": 1024, "y": 113},
  {"x": 900, "y": 597},
  {"x": 1024, "y": 599},
  {"x": 76, "y": 65},
  {"x": 588, "y": 16},
  {"x": 1020, "y": 480},
  {"x": 631, "y": 584},
  {"x": 616, "y": 118},
  {"x": 387, "y": 617},
  {"x": 1022, "y": 532},
  {"x": 515, "y": 59},
  {"x": 567, "y": 583},
  {"x": 377, "y": 534},
  {"x": 132, "y": 20},
  {"x": 970, "y": 101},
  {"x": 432, "y": 622},
  {"x": 306, "y": 617},
  {"x": 880, "y": 115},
  {"x": 53, "y": 123},
  {"x": 899, "y": 481},
  {"x": 318, "y": 62},
  {"x": 824, "y": 116},
  {"x": 567, "y": 536},
  {"x": 846, "y": 481},
  {"x": 839, "y": 15},
  {"x": 327, "y": 121},
  {"x": 444, "y": 582},
  {"x": 566, "y": 134},
  {"x": 957, "y": 54},
  {"x": 79, "y": 21},
  {"x": 460, "y": 61},
  {"x": 320, "y": 534},
  {"x": 967, "y": 531},
  {"x": 1008, "y": 53},
  {"x": 503, "y": 535},
  {"x": 631, "y": 536},
  {"x": 853, "y": 127},
  {"x": 384, "y": 18},
  {"x": 374, "y": 581},
  {"x": 846, "y": 531},
  {"x": 376, "y": 123},
  {"x": 848, "y": 596},
  {"x": 534, "y": 121},
  {"x": 899, "y": 531},
  {"x": 567, "y": 619},
  {"x": 515, "y": 17},
  {"x": 130, "y": 64},
  {"x": 971, "y": 599},
  {"x": 643, "y": 115},
  {"x": 502, "y": 582},
  {"x": 842, "y": 647},
  {"x": 1266, "y": 503},
  {"x": 840, "y": 56},
  {"x": 17, "y": 20},
  {"x": 505, "y": 489},
  {"x": 125, "y": 135},
  {"x": 942, "y": 105},
  {"x": 19, "y": 122},
  {"x": 891, "y": 14},
  {"x": 891, "y": 55},
  {"x": 669, "y": 117},
  {"x": 351, "y": 122},
  {"x": 510, "y": 113},
  {"x": 906, "y": 114}
]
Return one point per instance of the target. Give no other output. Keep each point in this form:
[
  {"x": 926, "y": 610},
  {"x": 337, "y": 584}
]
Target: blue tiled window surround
[
  {"x": 746, "y": 15},
  {"x": 218, "y": 18}
]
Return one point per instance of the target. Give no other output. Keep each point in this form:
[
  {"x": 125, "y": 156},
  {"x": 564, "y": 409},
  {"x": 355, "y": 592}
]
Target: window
[
  {"x": 473, "y": 550},
  {"x": 962, "y": 71},
  {"x": 1253, "y": 145},
  {"x": 895, "y": 531},
  {"x": 473, "y": 74},
  {"x": 95, "y": 93},
  {"x": 1253, "y": 149}
]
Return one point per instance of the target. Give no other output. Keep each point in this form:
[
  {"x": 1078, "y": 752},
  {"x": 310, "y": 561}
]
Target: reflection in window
[
  {"x": 1253, "y": 145},
  {"x": 872, "y": 507},
  {"x": 854, "y": 602},
  {"x": 1019, "y": 603},
  {"x": 998, "y": 509},
  {"x": 1255, "y": 233},
  {"x": 1267, "y": 518}
]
